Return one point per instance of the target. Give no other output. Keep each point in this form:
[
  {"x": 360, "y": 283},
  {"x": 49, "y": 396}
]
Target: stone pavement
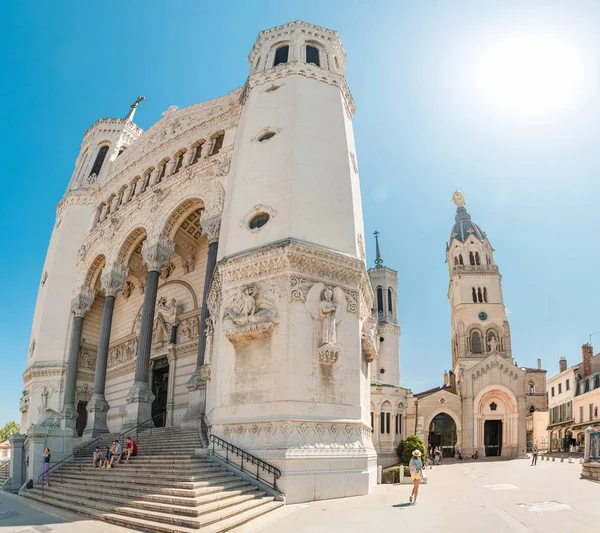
[
  {"x": 18, "y": 515},
  {"x": 492, "y": 497},
  {"x": 503, "y": 496}
]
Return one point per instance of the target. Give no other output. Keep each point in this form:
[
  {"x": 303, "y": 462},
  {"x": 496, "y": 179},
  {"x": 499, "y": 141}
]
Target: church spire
[
  {"x": 134, "y": 106},
  {"x": 378, "y": 260}
]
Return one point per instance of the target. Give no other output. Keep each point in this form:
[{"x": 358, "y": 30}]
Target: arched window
[
  {"x": 386, "y": 418},
  {"x": 97, "y": 166},
  {"x": 532, "y": 409},
  {"x": 471, "y": 258},
  {"x": 492, "y": 341},
  {"x": 390, "y": 307},
  {"x": 485, "y": 294},
  {"x": 335, "y": 60},
  {"x": 479, "y": 295},
  {"x": 487, "y": 259},
  {"x": 198, "y": 153},
  {"x": 475, "y": 342},
  {"x": 455, "y": 261},
  {"x": 477, "y": 259},
  {"x": 474, "y": 295},
  {"x": 379, "y": 299},
  {"x": 531, "y": 387},
  {"x": 312, "y": 55},
  {"x": 218, "y": 144},
  {"x": 281, "y": 55},
  {"x": 460, "y": 260}
]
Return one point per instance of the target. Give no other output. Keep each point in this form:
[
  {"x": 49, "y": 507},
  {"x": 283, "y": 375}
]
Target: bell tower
[
  {"x": 384, "y": 281},
  {"x": 479, "y": 323}
]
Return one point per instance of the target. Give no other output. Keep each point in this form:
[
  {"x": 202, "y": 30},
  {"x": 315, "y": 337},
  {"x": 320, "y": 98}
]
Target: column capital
[
  {"x": 211, "y": 226},
  {"x": 157, "y": 253},
  {"x": 113, "y": 278},
  {"x": 82, "y": 301}
]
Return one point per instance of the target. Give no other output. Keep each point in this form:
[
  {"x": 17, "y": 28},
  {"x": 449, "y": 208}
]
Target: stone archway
[
  {"x": 443, "y": 434},
  {"x": 496, "y": 421}
]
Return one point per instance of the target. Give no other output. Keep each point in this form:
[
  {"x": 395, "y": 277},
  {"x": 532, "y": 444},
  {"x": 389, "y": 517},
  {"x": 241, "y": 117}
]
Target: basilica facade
[{"x": 211, "y": 273}]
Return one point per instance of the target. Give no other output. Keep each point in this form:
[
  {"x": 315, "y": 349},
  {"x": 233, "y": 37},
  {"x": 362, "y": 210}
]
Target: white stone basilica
[{"x": 213, "y": 269}]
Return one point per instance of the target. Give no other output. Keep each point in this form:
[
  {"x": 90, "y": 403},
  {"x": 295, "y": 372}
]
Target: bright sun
[{"x": 528, "y": 76}]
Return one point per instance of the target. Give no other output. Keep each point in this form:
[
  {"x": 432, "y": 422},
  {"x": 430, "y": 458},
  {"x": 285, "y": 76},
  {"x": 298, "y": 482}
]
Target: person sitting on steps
[
  {"x": 131, "y": 448},
  {"x": 98, "y": 458},
  {"x": 115, "y": 453}
]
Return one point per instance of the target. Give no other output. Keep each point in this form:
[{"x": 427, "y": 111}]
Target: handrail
[
  {"x": 249, "y": 458},
  {"x": 5, "y": 465},
  {"x": 68, "y": 458},
  {"x": 142, "y": 425}
]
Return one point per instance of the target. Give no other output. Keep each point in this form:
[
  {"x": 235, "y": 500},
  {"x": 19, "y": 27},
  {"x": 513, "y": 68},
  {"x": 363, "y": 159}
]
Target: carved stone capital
[
  {"x": 206, "y": 372},
  {"x": 157, "y": 253},
  {"x": 82, "y": 301},
  {"x": 211, "y": 226},
  {"x": 113, "y": 279}
]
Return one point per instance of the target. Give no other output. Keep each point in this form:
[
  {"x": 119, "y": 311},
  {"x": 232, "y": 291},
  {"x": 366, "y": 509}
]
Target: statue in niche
[
  {"x": 329, "y": 307},
  {"x": 128, "y": 289},
  {"x": 248, "y": 310},
  {"x": 493, "y": 344},
  {"x": 160, "y": 332},
  {"x": 44, "y": 395},
  {"x": 209, "y": 328}
]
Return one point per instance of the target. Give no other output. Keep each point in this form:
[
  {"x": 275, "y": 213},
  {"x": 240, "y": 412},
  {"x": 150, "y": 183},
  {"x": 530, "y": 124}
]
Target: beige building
[
  {"x": 485, "y": 401},
  {"x": 586, "y": 403}
]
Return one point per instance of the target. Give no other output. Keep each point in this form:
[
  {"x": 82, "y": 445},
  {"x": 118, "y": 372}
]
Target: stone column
[
  {"x": 172, "y": 358},
  {"x": 17, "y": 461},
  {"x": 211, "y": 226},
  {"x": 112, "y": 281},
  {"x": 80, "y": 305},
  {"x": 156, "y": 255}
]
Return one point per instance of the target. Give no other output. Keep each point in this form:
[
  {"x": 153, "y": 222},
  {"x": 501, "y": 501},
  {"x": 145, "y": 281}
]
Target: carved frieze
[{"x": 87, "y": 358}]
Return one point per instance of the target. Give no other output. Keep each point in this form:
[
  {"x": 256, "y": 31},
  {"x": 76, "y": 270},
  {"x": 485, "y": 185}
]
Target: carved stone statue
[
  {"x": 24, "y": 402},
  {"x": 128, "y": 289},
  {"x": 208, "y": 329},
  {"x": 493, "y": 344},
  {"x": 329, "y": 307},
  {"x": 160, "y": 332},
  {"x": 44, "y": 395}
]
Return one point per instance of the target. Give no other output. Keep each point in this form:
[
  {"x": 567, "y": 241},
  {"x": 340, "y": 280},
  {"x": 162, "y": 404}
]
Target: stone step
[
  {"x": 152, "y": 516},
  {"x": 120, "y": 473},
  {"x": 192, "y": 499},
  {"x": 121, "y": 498},
  {"x": 143, "y": 466},
  {"x": 210, "y": 485}
]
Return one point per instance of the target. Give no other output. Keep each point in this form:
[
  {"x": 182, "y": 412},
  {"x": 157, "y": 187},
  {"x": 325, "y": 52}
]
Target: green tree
[
  {"x": 412, "y": 443},
  {"x": 10, "y": 428}
]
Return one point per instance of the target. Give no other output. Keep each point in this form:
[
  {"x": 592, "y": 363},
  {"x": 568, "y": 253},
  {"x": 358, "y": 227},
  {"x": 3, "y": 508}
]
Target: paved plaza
[{"x": 503, "y": 496}]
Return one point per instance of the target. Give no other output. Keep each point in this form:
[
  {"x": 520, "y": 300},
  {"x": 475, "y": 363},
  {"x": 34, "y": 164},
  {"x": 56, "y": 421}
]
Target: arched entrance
[
  {"x": 496, "y": 423},
  {"x": 442, "y": 433}
]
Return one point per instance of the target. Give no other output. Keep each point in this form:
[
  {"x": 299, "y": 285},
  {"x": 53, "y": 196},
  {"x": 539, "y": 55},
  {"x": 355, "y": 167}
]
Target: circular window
[
  {"x": 493, "y": 406},
  {"x": 266, "y": 136},
  {"x": 382, "y": 371},
  {"x": 258, "y": 220},
  {"x": 381, "y": 339}
]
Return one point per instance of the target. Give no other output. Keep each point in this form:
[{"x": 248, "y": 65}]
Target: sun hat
[{"x": 417, "y": 453}]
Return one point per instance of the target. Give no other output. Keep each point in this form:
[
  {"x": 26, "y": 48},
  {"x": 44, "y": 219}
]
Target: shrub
[
  {"x": 400, "y": 450},
  {"x": 412, "y": 443},
  {"x": 391, "y": 474}
]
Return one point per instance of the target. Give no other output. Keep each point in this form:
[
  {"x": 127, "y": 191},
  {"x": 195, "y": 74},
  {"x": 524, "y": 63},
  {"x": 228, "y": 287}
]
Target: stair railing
[
  {"x": 84, "y": 448},
  {"x": 143, "y": 425},
  {"x": 253, "y": 465},
  {"x": 3, "y": 468}
]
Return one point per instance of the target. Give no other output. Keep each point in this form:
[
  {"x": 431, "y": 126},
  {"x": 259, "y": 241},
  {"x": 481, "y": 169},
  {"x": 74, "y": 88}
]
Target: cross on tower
[{"x": 378, "y": 260}]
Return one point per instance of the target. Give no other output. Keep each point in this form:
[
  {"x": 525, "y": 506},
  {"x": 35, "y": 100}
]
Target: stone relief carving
[
  {"x": 32, "y": 348},
  {"x": 84, "y": 393},
  {"x": 368, "y": 339},
  {"x": 167, "y": 271},
  {"x": 188, "y": 329},
  {"x": 128, "y": 289},
  {"x": 329, "y": 307},
  {"x": 250, "y": 315},
  {"x": 87, "y": 358},
  {"x": 82, "y": 252},
  {"x": 123, "y": 352},
  {"x": 24, "y": 407}
]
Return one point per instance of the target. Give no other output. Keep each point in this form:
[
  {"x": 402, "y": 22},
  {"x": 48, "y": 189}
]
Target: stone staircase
[
  {"x": 172, "y": 486},
  {"x": 4, "y": 472}
]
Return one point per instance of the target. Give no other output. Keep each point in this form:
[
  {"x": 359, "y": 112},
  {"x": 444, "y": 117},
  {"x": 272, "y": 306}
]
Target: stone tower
[
  {"x": 76, "y": 214},
  {"x": 384, "y": 281},
  {"x": 479, "y": 324},
  {"x": 291, "y": 292}
]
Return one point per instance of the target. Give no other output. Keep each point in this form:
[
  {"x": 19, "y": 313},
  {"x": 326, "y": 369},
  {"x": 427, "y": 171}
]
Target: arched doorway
[{"x": 442, "y": 433}]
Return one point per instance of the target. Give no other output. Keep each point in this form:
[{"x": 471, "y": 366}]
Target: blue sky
[{"x": 499, "y": 99}]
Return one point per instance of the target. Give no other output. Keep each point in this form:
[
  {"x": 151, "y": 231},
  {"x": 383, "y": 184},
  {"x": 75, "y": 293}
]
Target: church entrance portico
[
  {"x": 442, "y": 434},
  {"x": 496, "y": 422}
]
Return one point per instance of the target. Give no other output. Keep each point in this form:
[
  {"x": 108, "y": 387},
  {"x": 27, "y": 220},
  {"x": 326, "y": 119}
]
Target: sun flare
[{"x": 528, "y": 75}]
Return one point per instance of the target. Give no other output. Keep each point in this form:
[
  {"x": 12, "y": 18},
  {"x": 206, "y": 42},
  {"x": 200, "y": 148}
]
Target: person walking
[
  {"x": 416, "y": 471},
  {"x": 534, "y": 456},
  {"x": 46, "y": 456}
]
